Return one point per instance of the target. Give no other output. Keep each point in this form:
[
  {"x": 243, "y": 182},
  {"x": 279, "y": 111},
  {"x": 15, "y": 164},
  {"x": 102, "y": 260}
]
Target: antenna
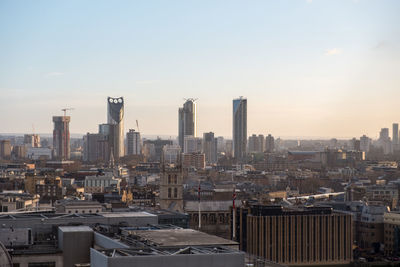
[{"x": 65, "y": 110}]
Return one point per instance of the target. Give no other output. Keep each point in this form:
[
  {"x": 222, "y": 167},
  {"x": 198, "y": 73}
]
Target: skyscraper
[
  {"x": 133, "y": 141},
  {"x": 61, "y": 138},
  {"x": 239, "y": 129},
  {"x": 115, "y": 117},
  {"x": 395, "y": 136},
  {"x": 187, "y": 121},
  {"x": 269, "y": 143}
]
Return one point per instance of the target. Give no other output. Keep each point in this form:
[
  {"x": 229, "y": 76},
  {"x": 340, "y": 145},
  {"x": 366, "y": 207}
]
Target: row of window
[{"x": 170, "y": 192}]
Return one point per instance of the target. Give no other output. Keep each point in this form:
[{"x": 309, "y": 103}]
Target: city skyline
[{"x": 335, "y": 74}]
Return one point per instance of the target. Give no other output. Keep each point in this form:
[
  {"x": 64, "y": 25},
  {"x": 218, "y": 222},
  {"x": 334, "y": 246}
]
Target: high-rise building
[
  {"x": 365, "y": 143},
  {"x": 61, "y": 137},
  {"x": 256, "y": 143},
  {"x": 32, "y": 140},
  {"x": 133, "y": 141},
  {"x": 269, "y": 143},
  {"x": 384, "y": 141},
  {"x": 115, "y": 117},
  {"x": 210, "y": 147},
  {"x": 192, "y": 144},
  {"x": 395, "y": 136},
  {"x": 187, "y": 121},
  {"x": 95, "y": 147},
  {"x": 239, "y": 128},
  {"x": 5, "y": 149}
]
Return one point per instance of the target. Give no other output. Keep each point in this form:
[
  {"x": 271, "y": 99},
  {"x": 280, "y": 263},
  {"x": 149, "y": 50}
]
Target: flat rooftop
[{"x": 181, "y": 237}]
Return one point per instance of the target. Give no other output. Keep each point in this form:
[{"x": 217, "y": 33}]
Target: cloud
[
  {"x": 332, "y": 52},
  {"x": 54, "y": 74}
]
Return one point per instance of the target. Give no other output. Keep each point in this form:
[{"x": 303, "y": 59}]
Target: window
[
  {"x": 169, "y": 192},
  {"x": 175, "y": 192},
  {"x": 169, "y": 178}
]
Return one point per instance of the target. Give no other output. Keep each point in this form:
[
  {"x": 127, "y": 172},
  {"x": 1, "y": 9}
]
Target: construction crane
[
  {"x": 137, "y": 125},
  {"x": 65, "y": 110}
]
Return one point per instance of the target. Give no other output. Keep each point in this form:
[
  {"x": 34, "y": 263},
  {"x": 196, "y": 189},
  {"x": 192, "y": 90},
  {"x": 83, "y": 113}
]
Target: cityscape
[{"x": 243, "y": 164}]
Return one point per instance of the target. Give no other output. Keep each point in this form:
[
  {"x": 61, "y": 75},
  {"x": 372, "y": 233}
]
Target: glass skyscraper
[{"x": 239, "y": 129}]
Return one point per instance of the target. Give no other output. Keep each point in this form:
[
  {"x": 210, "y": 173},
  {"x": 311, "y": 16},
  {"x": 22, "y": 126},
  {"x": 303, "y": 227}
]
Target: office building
[
  {"x": 61, "y": 137},
  {"x": 384, "y": 141},
  {"x": 239, "y": 128},
  {"x": 133, "y": 142},
  {"x": 187, "y": 121},
  {"x": 295, "y": 235},
  {"x": 210, "y": 144},
  {"x": 115, "y": 118},
  {"x": 256, "y": 144},
  {"x": 194, "y": 160},
  {"x": 269, "y": 143}
]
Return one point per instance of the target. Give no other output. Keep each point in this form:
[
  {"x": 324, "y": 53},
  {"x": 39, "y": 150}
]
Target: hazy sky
[{"x": 308, "y": 68}]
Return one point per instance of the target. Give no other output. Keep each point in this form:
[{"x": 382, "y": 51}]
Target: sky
[{"x": 319, "y": 68}]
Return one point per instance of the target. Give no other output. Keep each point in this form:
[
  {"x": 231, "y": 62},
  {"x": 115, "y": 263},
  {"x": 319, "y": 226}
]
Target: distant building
[
  {"x": 153, "y": 148},
  {"x": 239, "y": 128},
  {"x": 194, "y": 160},
  {"x": 95, "y": 148},
  {"x": 384, "y": 141},
  {"x": 19, "y": 152},
  {"x": 256, "y": 144},
  {"x": 102, "y": 183},
  {"x": 192, "y": 144},
  {"x": 115, "y": 117},
  {"x": 269, "y": 143},
  {"x": 32, "y": 140},
  {"x": 77, "y": 206},
  {"x": 187, "y": 121},
  {"x": 5, "y": 149},
  {"x": 171, "y": 153},
  {"x": 133, "y": 142},
  {"x": 395, "y": 136},
  {"x": 39, "y": 153},
  {"x": 210, "y": 147},
  {"x": 365, "y": 143},
  {"x": 61, "y": 137}
]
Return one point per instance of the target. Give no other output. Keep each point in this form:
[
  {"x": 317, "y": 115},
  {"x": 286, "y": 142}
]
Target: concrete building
[
  {"x": 365, "y": 143},
  {"x": 102, "y": 183},
  {"x": 256, "y": 144},
  {"x": 391, "y": 221},
  {"x": 239, "y": 129},
  {"x": 5, "y": 149},
  {"x": 395, "y": 136},
  {"x": 210, "y": 147},
  {"x": 133, "y": 143},
  {"x": 95, "y": 148},
  {"x": 11, "y": 201},
  {"x": 192, "y": 144},
  {"x": 32, "y": 140},
  {"x": 384, "y": 141},
  {"x": 187, "y": 121},
  {"x": 194, "y": 160},
  {"x": 38, "y": 153},
  {"x": 61, "y": 137},
  {"x": 269, "y": 143},
  {"x": 171, "y": 153},
  {"x": 115, "y": 117},
  {"x": 77, "y": 206},
  {"x": 295, "y": 236}
]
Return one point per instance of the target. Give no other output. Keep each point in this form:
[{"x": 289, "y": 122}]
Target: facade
[
  {"x": 171, "y": 153},
  {"x": 187, "y": 121},
  {"x": 296, "y": 236},
  {"x": 370, "y": 228},
  {"x": 77, "y": 206},
  {"x": 115, "y": 117},
  {"x": 239, "y": 129},
  {"x": 61, "y": 137},
  {"x": 171, "y": 188},
  {"x": 192, "y": 144},
  {"x": 269, "y": 143},
  {"x": 365, "y": 143},
  {"x": 5, "y": 149},
  {"x": 210, "y": 145},
  {"x": 384, "y": 141},
  {"x": 32, "y": 140},
  {"x": 194, "y": 160},
  {"x": 133, "y": 143},
  {"x": 395, "y": 136},
  {"x": 95, "y": 147},
  {"x": 391, "y": 221},
  {"x": 256, "y": 143},
  {"x": 101, "y": 183}
]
